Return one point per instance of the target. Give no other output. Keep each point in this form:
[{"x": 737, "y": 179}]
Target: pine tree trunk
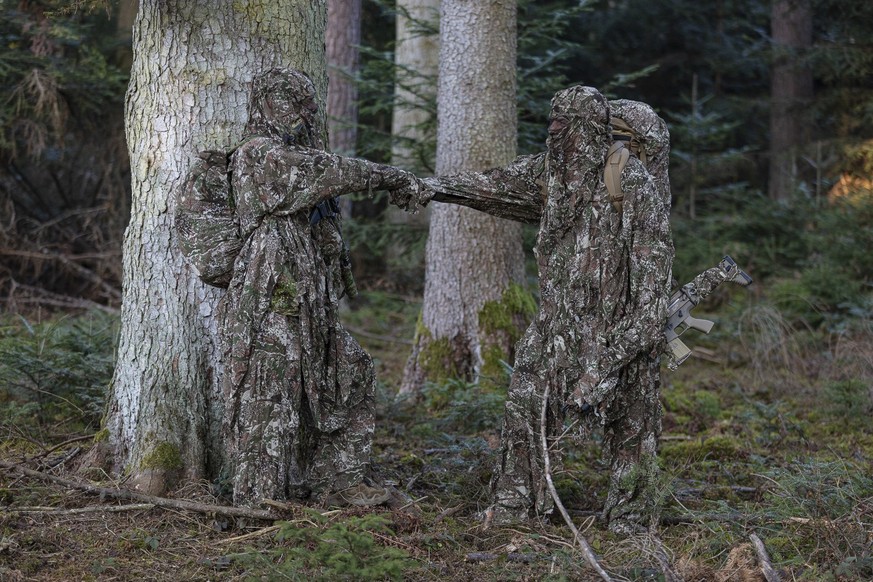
[
  {"x": 416, "y": 60},
  {"x": 472, "y": 258},
  {"x": 189, "y": 89},
  {"x": 791, "y": 90}
]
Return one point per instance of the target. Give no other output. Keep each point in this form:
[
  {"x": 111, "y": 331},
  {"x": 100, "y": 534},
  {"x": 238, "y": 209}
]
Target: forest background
[{"x": 768, "y": 428}]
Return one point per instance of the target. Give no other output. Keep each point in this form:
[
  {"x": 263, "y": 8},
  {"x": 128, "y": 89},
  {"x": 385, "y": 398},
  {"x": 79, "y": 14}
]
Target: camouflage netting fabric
[
  {"x": 298, "y": 389},
  {"x": 604, "y": 282}
]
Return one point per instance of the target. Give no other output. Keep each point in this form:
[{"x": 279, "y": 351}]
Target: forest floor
[{"x": 766, "y": 436}]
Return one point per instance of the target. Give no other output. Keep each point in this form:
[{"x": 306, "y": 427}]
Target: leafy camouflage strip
[
  {"x": 604, "y": 282},
  {"x": 298, "y": 389}
]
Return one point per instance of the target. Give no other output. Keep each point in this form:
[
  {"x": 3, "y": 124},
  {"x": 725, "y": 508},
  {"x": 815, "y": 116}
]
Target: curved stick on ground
[
  {"x": 770, "y": 574},
  {"x": 547, "y": 469}
]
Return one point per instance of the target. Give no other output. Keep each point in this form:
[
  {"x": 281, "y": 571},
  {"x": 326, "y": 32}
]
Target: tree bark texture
[
  {"x": 342, "y": 40},
  {"x": 472, "y": 258},
  {"x": 189, "y": 89},
  {"x": 791, "y": 90}
]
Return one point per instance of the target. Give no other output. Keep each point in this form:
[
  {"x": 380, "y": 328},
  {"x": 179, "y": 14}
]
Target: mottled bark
[
  {"x": 791, "y": 89},
  {"x": 189, "y": 89},
  {"x": 472, "y": 258}
]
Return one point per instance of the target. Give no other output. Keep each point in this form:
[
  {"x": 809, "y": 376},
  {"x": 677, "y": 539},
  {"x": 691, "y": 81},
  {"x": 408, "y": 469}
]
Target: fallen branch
[
  {"x": 660, "y": 553},
  {"x": 158, "y": 501},
  {"x": 490, "y": 557},
  {"x": 766, "y": 567},
  {"x": 81, "y": 510},
  {"x": 67, "y": 442},
  {"x": 587, "y": 552},
  {"x": 250, "y": 535}
]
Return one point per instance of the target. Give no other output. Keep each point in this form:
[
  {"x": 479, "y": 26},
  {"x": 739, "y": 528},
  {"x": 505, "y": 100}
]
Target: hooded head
[
  {"x": 283, "y": 107},
  {"x": 578, "y": 126}
]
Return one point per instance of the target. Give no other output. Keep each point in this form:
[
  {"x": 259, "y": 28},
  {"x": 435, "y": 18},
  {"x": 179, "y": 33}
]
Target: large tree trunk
[
  {"x": 342, "y": 41},
  {"x": 791, "y": 90},
  {"x": 472, "y": 258},
  {"x": 189, "y": 90}
]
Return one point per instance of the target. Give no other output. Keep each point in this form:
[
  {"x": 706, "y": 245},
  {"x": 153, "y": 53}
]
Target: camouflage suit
[
  {"x": 298, "y": 389},
  {"x": 604, "y": 279}
]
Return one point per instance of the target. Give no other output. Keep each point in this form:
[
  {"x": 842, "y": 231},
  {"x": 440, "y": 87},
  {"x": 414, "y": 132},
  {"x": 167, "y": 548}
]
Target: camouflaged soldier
[
  {"x": 298, "y": 389},
  {"x": 604, "y": 274}
]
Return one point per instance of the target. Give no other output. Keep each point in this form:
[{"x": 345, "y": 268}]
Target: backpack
[
  {"x": 205, "y": 222},
  {"x": 626, "y": 142},
  {"x": 207, "y": 226}
]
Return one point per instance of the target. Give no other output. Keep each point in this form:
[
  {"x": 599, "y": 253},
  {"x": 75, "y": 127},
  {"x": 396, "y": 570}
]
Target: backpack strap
[
  {"x": 616, "y": 160},
  {"x": 625, "y": 141}
]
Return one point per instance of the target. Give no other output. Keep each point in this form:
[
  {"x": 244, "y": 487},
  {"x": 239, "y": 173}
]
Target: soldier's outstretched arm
[
  {"x": 515, "y": 192},
  {"x": 308, "y": 177}
]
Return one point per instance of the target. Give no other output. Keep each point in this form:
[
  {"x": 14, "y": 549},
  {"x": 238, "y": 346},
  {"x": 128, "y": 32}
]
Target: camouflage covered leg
[
  {"x": 264, "y": 421},
  {"x": 518, "y": 486},
  {"x": 631, "y": 431},
  {"x": 344, "y": 436}
]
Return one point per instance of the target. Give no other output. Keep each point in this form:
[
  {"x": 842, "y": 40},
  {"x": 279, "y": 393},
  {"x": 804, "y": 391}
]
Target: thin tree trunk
[
  {"x": 189, "y": 90},
  {"x": 791, "y": 89},
  {"x": 343, "y": 37},
  {"x": 472, "y": 258},
  {"x": 416, "y": 60}
]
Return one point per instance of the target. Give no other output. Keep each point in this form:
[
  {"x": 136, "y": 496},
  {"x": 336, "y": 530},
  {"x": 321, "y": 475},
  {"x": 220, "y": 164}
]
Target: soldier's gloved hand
[{"x": 412, "y": 195}]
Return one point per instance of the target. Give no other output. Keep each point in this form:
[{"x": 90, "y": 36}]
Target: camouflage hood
[
  {"x": 578, "y": 129},
  {"x": 283, "y": 107}
]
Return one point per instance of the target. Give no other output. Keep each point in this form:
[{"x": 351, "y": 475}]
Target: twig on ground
[
  {"x": 766, "y": 567},
  {"x": 490, "y": 557},
  {"x": 81, "y": 510},
  {"x": 448, "y": 512},
  {"x": 663, "y": 559},
  {"x": 253, "y": 534},
  {"x": 587, "y": 552},
  {"x": 159, "y": 501},
  {"x": 67, "y": 442}
]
